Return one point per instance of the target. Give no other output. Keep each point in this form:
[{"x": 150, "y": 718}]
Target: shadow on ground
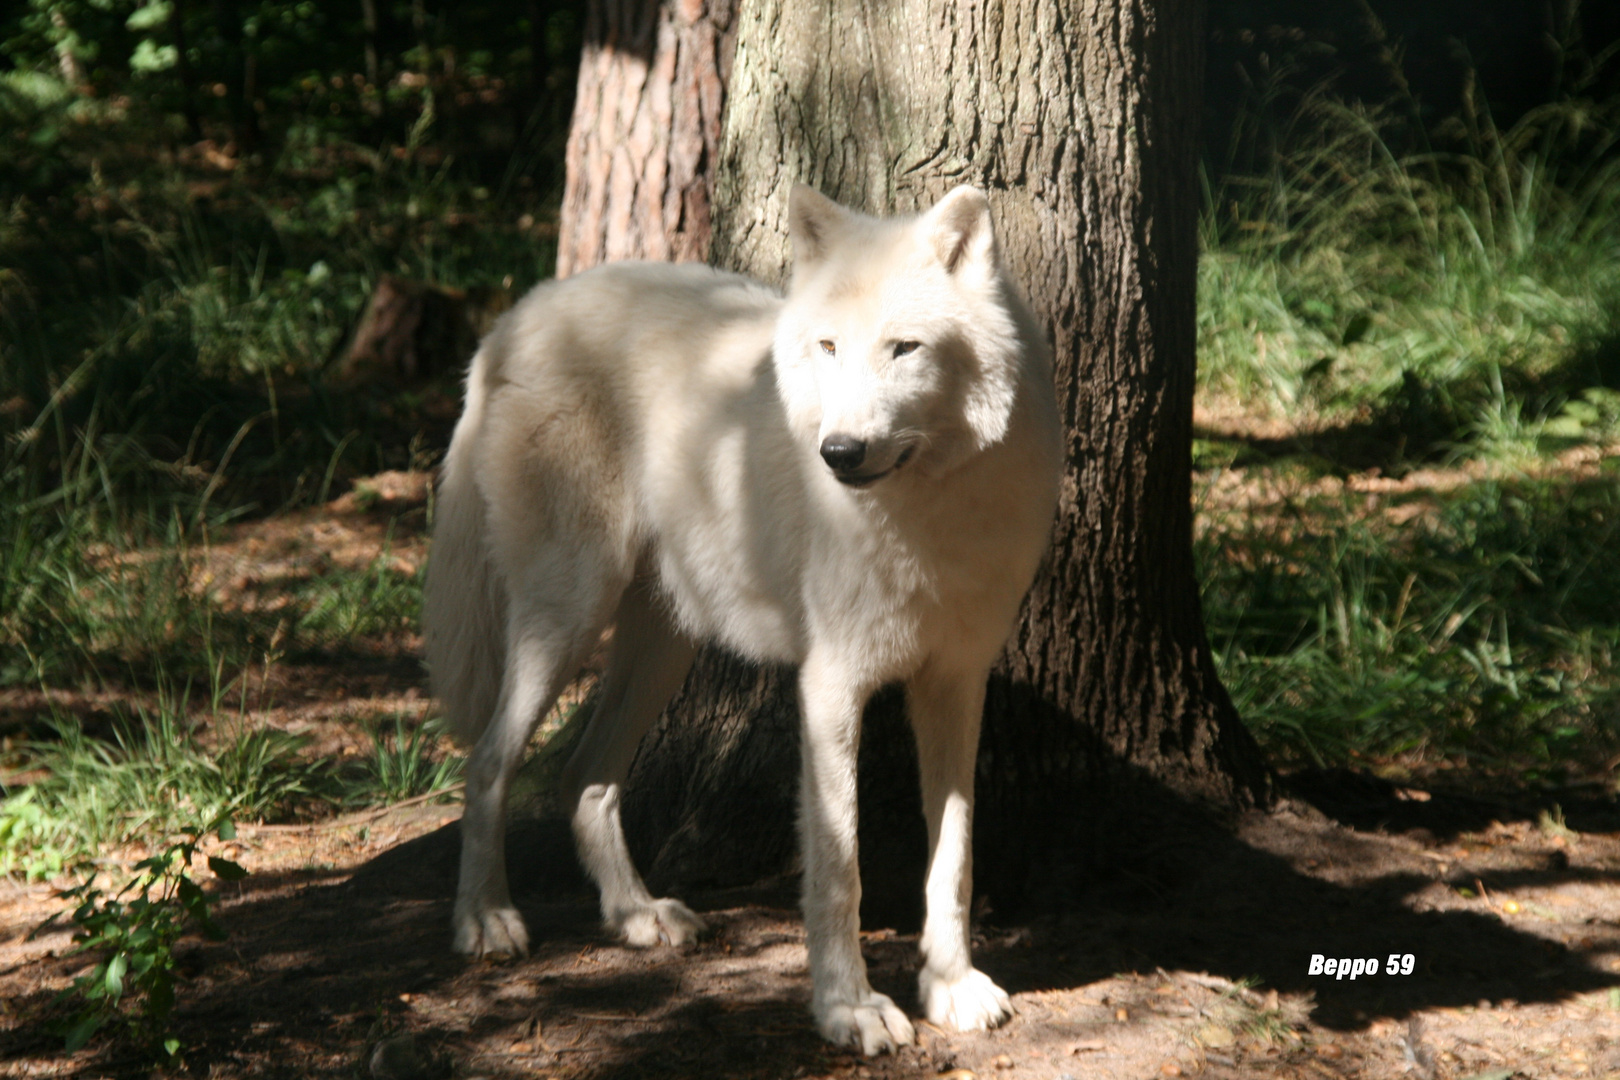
[{"x": 316, "y": 971}]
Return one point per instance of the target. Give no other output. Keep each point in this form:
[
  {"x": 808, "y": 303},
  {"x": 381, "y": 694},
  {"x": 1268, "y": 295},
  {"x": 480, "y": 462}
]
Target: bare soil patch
[
  {"x": 338, "y": 963},
  {"x": 339, "y": 944}
]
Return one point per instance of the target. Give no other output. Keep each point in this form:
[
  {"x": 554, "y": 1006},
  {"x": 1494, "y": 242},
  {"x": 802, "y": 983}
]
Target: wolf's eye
[
  {"x": 828, "y": 347},
  {"x": 901, "y": 348}
]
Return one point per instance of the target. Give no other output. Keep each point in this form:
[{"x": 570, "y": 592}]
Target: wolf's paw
[
  {"x": 495, "y": 931},
  {"x": 667, "y": 922},
  {"x": 970, "y": 1003},
  {"x": 872, "y": 1022}
]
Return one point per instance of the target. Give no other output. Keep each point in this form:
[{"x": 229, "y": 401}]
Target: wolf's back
[{"x": 464, "y": 602}]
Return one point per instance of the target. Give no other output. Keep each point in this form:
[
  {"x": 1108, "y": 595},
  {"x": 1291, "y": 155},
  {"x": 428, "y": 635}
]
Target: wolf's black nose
[{"x": 843, "y": 452}]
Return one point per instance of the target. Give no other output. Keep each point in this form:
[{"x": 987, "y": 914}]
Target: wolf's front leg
[
  {"x": 847, "y": 1010},
  {"x": 946, "y": 704}
]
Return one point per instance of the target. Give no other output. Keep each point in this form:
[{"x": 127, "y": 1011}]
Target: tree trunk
[
  {"x": 1081, "y": 120},
  {"x": 646, "y": 128},
  {"x": 412, "y": 333}
]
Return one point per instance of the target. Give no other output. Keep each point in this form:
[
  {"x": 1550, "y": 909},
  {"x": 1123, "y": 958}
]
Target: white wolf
[{"x": 859, "y": 477}]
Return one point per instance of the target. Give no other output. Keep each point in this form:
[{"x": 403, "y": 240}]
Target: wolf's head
[{"x": 902, "y": 342}]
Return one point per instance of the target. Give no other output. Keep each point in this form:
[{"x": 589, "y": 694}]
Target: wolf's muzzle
[{"x": 845, "y": 455}]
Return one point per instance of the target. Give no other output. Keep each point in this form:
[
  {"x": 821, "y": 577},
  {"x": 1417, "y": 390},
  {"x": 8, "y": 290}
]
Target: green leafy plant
[
  {"x": 134, "y": 931},
  {"x": 28, "y": 837}
]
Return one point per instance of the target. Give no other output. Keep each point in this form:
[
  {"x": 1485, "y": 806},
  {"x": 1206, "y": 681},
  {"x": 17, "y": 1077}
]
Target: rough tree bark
[
  {"x": 646, "y": 128},
  {"x": 1081, "y": 119}
]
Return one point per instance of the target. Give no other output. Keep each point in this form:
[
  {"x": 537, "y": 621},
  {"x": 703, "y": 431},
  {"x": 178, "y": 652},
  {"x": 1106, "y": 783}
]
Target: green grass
[
  {"x": 77, "y": 608},
  {"x": 376, "y": 600},
  {"x": 403, "y": 764},
  {"x": 1450, "y": 304},
  {"x": 1483, "y": 631},
  {"x": 1401, "y": 310},
  {"x": 153, "y": 776},
  {"x": 150, "y": 774},
  {"x": 149, "y": 778}
]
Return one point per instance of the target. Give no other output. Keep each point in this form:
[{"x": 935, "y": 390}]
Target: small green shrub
[
  {"x": 134, "y": 933},
  {"x": 342, "y": 605}
]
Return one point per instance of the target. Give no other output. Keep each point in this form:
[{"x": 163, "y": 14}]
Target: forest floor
[{"x": 338, "y": 960}]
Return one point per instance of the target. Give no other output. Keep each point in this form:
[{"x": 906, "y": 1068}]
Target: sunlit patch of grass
[
  {"x": 1399, "y": 309},
  {"x": 152, "y": 776},
  {"x": 74, "y": 606},
  {"x": 1458, "y": 302}
]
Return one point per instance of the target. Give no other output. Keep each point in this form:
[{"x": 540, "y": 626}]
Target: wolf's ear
[
  {"x": 814, "y": 222},
  {"x": 959, "y": 228}
]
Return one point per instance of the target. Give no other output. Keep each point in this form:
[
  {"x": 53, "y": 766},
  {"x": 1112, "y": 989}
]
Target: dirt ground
[{"x": 338, "y": 961}]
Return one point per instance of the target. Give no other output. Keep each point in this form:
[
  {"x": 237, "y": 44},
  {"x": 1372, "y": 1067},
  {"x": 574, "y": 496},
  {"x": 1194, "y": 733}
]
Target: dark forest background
[
  {"x": 246, "y": 247},
  {"x": 211, "y": 215}
]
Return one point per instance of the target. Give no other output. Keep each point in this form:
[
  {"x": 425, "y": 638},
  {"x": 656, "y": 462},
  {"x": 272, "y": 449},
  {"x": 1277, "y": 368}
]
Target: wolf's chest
[{"x": 768, "y": 581}]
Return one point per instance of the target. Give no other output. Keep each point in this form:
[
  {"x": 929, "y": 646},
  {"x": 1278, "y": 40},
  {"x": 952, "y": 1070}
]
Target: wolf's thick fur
[{"x": 859, "y": 477}]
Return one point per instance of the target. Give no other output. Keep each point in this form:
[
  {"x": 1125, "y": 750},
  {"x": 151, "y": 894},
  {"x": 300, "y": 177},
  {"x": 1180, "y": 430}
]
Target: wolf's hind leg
[
  {"x": 946, "y": 704},
  {"x": 548, "y": 636},
  {"x": 648, "y": 662}
]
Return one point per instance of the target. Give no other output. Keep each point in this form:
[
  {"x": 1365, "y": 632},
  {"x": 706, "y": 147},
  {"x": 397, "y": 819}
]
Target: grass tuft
[{"x": 405, "y": 762}]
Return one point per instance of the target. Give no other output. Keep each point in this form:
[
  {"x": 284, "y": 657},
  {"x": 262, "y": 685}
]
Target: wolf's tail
[{"x": 464, "y": 602}]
